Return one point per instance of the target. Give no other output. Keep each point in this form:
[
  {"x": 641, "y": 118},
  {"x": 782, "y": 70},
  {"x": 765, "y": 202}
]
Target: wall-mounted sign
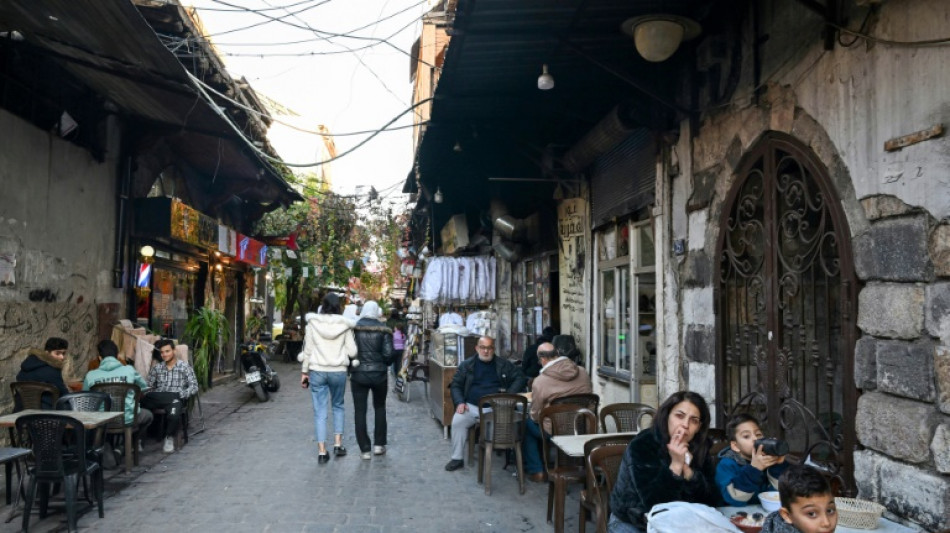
[
  {"x": 227, "y": 240},
  {"x": 191, "y": 226},
  {"x": 172, "y": 218},
  {"x": 251, "y": 251}
]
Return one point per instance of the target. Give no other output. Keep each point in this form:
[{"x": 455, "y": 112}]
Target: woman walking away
[
  {"x": 374, "y": 342},
  {"x": 669, "y": 462},
  {"x": 399, "y": 347},
  {"x": 327, "y": 350}
]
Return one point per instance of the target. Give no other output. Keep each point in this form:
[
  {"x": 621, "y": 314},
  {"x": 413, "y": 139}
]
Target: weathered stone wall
[
  {"x": 28, "y": 325},
  {"x": 844, "y": 104},
  {"x": 57, "y": 221}
]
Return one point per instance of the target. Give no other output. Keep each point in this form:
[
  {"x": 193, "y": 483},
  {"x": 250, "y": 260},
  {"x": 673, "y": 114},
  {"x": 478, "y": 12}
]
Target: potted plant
[{"x": 206, "y": 331}]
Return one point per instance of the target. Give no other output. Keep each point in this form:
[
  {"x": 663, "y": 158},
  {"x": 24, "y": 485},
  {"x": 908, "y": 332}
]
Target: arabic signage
[
  {"x": 191, "y": 226},
  {"x": 573, "y": 236}
]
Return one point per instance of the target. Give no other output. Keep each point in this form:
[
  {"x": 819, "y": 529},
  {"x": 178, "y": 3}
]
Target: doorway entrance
[{"x": 786, "y": 304}]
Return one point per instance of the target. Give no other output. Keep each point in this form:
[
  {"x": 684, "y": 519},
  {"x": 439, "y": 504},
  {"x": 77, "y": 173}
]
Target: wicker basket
[{"x": 858, "y": 514}]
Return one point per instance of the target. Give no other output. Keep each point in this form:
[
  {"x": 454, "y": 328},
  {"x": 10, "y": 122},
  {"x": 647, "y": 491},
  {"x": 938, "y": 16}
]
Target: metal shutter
[{"x": 623, "y": 180}]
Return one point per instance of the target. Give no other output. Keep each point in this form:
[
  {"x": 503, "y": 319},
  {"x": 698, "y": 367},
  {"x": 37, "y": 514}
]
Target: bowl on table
[
  {"x": 770, "y": 501},
  {"x": 738, "y": 520}
]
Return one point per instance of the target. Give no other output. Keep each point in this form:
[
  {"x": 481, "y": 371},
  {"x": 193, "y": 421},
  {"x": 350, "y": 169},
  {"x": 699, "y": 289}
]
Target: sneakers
[
  {"x": 454, "y": 464},
  {"x": 169, "y": 445},
  {"x": 366, "y": 456},
  {"x": 339, "y": 451},
  {"x": 379, "y": 450},
  {"x": 323, "y": 458}
]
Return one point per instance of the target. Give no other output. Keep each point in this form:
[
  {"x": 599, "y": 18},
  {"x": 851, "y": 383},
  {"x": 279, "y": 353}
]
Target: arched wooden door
[{"x": 786, "y": 304}]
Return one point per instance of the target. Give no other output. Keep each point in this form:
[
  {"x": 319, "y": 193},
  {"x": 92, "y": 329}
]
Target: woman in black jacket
[
  {"x": 374, "y": 343},
  {"x": 668, "y": 462}
]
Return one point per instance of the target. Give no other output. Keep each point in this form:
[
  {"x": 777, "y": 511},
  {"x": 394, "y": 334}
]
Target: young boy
[
  {"x": 744, "y": 471},
  {"x": 808, "y": 506}
]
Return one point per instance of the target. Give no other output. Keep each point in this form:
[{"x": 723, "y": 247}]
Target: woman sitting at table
[{"x": 668, "y": 463}]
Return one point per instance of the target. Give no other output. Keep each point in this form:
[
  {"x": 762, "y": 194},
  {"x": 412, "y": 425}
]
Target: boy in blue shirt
[{"x": 744, "y": 471}]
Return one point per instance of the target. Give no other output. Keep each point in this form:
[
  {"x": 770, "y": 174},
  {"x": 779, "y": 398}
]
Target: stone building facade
[{"x": 840, "y": 105}]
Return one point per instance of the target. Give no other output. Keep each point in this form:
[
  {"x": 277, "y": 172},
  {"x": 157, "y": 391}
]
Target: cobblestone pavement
[{"x": 253, "y": 468}]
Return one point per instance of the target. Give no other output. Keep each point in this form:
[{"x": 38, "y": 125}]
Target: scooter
[{"x": 258, "y": 375}]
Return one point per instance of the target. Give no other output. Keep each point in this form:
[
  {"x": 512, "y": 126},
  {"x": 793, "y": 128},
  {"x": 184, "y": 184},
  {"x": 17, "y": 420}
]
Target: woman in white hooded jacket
[{"x": 328, "y": 347}]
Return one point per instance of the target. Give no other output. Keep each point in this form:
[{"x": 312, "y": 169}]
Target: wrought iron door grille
[{"x": 784, "y": 293}]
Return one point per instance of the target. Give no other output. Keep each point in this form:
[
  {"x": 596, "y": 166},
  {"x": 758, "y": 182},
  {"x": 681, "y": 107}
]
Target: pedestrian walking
[
  {"x": 374, "y": 342},
  {"x": 327, "y": 350},
  {"x": 399, "y": 347}
]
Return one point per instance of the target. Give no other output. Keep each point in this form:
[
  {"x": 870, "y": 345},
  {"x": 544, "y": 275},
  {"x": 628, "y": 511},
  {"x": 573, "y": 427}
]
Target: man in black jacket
[
  {"x": 476, "y": 377},
  {"x": 46, "y": 366}
]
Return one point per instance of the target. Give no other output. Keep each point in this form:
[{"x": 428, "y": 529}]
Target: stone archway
[{"x": 786, "y": 298}]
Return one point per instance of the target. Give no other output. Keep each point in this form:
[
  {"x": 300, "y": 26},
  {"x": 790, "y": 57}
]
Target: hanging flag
[
  {"x": 305, "y": 272},
  {"x": 291, "y": 254},
  {"x": 289, "y": 242},
  {"x": 288, "y": 272},
  {"x": 349, "y": 264}
]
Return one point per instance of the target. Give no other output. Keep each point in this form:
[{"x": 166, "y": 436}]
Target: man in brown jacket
[{"x": 559, "y": 377}]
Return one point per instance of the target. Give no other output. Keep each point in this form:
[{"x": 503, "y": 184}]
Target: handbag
[{"x": 677, "y": 517}]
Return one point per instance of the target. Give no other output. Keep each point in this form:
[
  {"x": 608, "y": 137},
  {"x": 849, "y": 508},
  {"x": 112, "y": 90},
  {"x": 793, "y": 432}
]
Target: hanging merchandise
[{"x": 459, "y": 280}]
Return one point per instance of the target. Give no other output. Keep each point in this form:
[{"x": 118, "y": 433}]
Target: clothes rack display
[{"x": 459, "y": 280}]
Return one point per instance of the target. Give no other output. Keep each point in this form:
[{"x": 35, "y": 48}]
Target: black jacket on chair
[{"x": 374, "y": 350}]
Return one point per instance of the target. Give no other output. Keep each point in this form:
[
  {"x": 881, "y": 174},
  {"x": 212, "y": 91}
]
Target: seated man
[
  {"x": 477, "y": 377},
  {"x": 110, "y": 370},
  {"x": 559, "y": 377},
  {"x": 172, "y": 382},
  {"x": 45, "y": 366}
]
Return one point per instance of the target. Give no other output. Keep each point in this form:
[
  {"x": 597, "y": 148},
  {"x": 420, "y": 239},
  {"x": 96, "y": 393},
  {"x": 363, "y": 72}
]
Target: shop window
[{"x": 626, "y": 298}]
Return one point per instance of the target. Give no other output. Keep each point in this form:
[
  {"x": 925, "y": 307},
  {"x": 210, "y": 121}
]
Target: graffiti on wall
[{"x": 28, "y": 325}]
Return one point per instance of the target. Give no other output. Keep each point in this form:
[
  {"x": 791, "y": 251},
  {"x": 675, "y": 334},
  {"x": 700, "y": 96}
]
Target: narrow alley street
[{"x": 254, "y": 469}]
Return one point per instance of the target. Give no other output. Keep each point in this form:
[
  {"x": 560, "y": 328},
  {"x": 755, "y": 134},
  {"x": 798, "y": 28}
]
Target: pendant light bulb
[
  {"x": 437, "y": 197},
  {"x": 545, "y": 80}
]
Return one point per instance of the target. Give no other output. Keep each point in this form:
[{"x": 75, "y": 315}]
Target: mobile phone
[{"x": 305, "y": 384}]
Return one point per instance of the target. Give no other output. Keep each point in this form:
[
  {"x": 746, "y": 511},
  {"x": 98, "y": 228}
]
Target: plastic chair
[
  {"x": 502, "y": 427},
  {"x": 29, "y": 394},
  {"x": 45, "y": 434},
  {"x": 88, "y": 401},
  {"x": 590, "y": 401},
  {"x": 84, "y": 401},
  {"x": 564, "y": 419},
  {"x": 603, "y": 466},
  {"x": 626, "y": 417},
  {"x": 119, "y": 393},
  {"x": 594, "y": 499}
]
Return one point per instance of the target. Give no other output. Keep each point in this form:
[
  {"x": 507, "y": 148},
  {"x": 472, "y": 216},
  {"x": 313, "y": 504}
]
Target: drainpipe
[{"x": 123, "y": 188}]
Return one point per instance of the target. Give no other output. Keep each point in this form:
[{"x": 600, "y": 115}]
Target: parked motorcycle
[{"x": 258, "y": 375}]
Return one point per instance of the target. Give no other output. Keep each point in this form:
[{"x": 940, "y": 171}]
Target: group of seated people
[
  {"x": 170, "y": 383},
  {"x": 669, "y": 462}
]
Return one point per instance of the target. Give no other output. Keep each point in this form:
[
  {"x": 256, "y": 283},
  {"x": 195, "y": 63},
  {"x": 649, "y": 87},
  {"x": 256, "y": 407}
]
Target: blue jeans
[
  {"x": 322, "y": 384},
  {"x": 531, "y": 448}
]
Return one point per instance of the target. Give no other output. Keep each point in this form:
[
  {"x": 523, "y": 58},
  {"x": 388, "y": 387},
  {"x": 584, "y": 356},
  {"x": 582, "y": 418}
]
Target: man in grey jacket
[{"x": 476, "y": 377}]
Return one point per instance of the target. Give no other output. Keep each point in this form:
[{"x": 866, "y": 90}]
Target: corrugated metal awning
[{"x": 111, "y": 48}]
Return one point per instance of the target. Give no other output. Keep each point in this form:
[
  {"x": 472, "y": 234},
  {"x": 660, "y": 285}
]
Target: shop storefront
[{"x": 623, "y": 339}]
